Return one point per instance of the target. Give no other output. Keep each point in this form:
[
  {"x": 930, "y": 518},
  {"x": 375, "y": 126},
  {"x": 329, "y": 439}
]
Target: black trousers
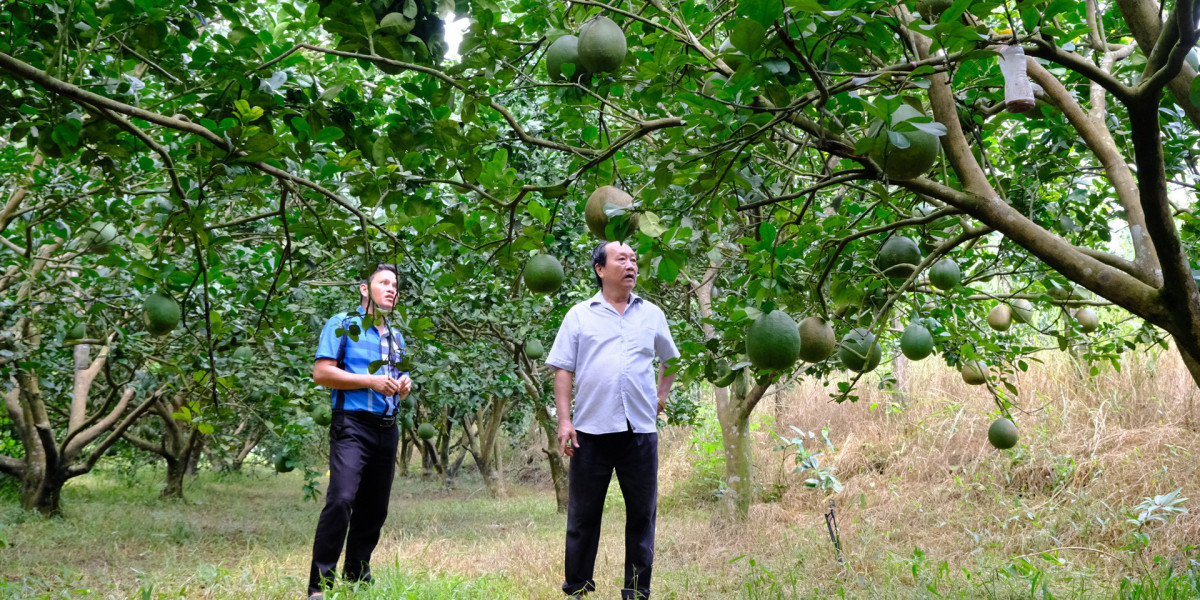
[
  {"x": 634, "y": 457},
  {"x": 362, "y": 462}
]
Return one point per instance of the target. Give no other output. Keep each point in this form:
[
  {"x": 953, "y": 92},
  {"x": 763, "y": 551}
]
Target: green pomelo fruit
[
  {"x": 711, "y": 87},
  {"x": 533, "y": 349},
  {"x": 903, "y": 164},
  {"x": 601, "y": 45},
  {"x": 543, "y": 274},
  {"x": 98, "y": 237},
  {"x": 564, "y": 50},
  {"x": 161, "y": 314},
  {"x": 817, "y": 340},
  {"x": 282, "y": 463},
  {"x": 974, "y": 372},
  {"x": 859, "y": 351},
  {"x": 1022, "y": 311},
  {"x": 945, "y": 274},
  {"x": 1087, "y": 319},
  {"x": 1002, "y": 434},
  {"x": 1000, "y": 317},
  {"x": 243, "y": 353},
  {"x": 322, "y": 415},
  {"x": 427, "y": 431},
  {"x": 408, "y": 422},
  {"x": 898, "y": 257},
  {"x": 917, "y": 342},
  {"x": 78, "y": 332},
  {"x": 724, "y": 375},
  {"x": 773, "y": 341},
  {"x": 594, "y": 212},
  {"x": 408, "y": 403}
]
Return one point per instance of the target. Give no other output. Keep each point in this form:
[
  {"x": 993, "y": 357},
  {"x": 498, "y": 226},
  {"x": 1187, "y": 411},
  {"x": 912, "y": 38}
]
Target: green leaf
[
  {"x": 899, "y": 140},
  {"x": 650, "y": 225},
  {"x": 397, "y": 24},
  {"x": 332, "y": 92},
  {"x": 764, "y": 12},
  {"x": 204, "y": 428},
  {"x": 375, "y": 366},
  {"x": 301, "y": 126},
  {"x": 955, "y": 11},
  {"x": 747, "y": 36},
  {"x": 329, "y": 134},
  {"x": 539, "y": 212},
  {"x": 261, "y": 142},
  {"x": 808, "y": 6},
  {"x": 668, "y": 270}
]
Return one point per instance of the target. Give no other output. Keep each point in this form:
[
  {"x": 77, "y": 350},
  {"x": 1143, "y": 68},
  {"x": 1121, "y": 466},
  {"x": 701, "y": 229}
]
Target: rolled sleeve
[
  {"x": 328, "y": 346},
  {"x": 565, "y": 351}
]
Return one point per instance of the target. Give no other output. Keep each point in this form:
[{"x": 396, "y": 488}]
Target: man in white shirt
[{"x": 605, "y": 348}]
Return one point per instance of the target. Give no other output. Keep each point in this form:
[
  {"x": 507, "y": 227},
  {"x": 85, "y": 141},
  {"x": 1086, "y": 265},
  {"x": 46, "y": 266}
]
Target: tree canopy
[{"x": 251, "y": 155}]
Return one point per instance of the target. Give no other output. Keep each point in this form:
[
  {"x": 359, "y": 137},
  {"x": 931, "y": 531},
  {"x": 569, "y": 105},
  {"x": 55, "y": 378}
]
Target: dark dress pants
[
  {"x": 634, "y": 457},
  {"x": 362, "y": 462}
]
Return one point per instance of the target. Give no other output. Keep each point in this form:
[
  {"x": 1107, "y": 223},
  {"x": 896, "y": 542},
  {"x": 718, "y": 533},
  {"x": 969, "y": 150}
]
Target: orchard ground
[{"x": 928, "y": 508}]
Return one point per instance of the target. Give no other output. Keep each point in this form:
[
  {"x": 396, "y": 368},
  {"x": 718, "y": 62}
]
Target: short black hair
[
  {"x": 599, "y": 257},
  {"x": 381, "y": 267}
]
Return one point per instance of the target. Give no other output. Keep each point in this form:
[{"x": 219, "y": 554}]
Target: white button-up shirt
[{"x": 612, "y": 357}]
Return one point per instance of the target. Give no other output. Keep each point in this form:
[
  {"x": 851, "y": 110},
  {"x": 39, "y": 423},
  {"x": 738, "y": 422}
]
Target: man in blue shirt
[
  {"x": 605, "y": 348},
  {"x": 363, "y": 434}
]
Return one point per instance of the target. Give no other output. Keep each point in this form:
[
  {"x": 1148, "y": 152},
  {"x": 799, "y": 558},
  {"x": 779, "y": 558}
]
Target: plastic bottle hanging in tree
[{"x": 1018, "y": 93}]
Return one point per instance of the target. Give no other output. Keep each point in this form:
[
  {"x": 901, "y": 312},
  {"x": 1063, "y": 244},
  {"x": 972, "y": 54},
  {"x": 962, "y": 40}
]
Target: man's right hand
[
  {"x": 384, "y": 385},
  {"x": 568, "y": 440}
]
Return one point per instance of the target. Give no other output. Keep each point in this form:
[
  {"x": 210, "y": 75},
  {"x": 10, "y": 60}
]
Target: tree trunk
[
  {"x": 48, "y": 463},
  {"x": 405, "y": 455},
  {"x": 176, "y": 469},
  {"x": 193, "y": 466},
  {"x": 558, "y": 468},
  {"x": 251, "y": 442},
  {"x": 178, "y": 465},
  {"x": 735, "y": 437},
  {"x": 44, "y": 495},
  {"x": 899, "y": 370},
  {"x": 483, "y": 451}
]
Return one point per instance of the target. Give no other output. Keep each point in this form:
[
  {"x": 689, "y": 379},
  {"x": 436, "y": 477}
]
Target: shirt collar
[
  {"x": 386, "y": 332},
  {"x": 599, "y": 299}
]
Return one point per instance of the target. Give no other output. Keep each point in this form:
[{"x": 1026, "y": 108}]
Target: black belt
[{"x": 369, "y": 418}]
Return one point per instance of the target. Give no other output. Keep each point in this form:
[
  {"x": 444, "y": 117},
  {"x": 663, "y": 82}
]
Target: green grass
[{"x": 929, "y": 510}]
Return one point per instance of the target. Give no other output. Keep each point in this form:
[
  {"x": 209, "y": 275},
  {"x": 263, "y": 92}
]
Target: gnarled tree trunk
[
  {"x": 180, "y": 440},
  {"x": 482, "y": 434}
]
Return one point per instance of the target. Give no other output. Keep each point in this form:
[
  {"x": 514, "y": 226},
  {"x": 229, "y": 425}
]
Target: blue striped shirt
[{"x": 371, "y": 346}]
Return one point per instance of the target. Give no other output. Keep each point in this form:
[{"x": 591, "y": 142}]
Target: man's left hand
[
  {"x": 406, "y": 386},
  {"x": 662, "y": 405}
]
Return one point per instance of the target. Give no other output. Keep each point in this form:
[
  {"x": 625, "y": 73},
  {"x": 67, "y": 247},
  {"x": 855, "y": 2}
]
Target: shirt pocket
[{"x": 642, "y": 341}]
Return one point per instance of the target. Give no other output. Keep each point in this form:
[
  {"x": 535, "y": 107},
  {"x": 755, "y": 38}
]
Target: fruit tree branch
[
  {"x": 1165, "y": 60},
  {"x": 62, "y": 88},
  {"x": 1096, "y": 135},
  {"x": 636, "y": 17},
  {"x": 137, "y": 132},
  {"x": 112, "y": 438},
  {"x": 1142, "y": 17},
  {"x": 1046, "y": 49},
  {"x": 504, "y": 112}
]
